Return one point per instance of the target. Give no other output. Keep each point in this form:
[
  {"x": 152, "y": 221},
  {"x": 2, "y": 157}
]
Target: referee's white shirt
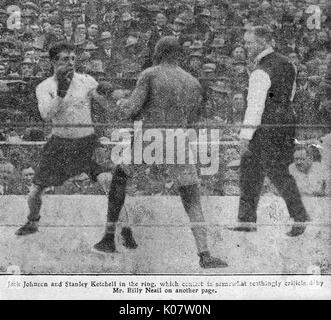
[
  {"x": 76, "y": 108},
  {"x": 259, "y": 84}
]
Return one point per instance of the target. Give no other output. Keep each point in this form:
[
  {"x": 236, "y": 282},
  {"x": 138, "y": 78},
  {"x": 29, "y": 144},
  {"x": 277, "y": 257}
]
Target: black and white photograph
[{"x": 154, "y": 149}]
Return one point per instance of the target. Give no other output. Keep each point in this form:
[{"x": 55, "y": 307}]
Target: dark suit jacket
[{"x": 276, "y": 144}]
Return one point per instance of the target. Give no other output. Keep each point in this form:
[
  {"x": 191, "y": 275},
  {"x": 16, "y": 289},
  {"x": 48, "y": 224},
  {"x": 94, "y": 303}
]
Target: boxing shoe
[
  {"x": 296, "y": 230},
  {"x": 208, "y": 262},
  {"x": 128, "y": 239},
  {"x": 29, "y": 228},
  {"x": 107, "y": 244}
]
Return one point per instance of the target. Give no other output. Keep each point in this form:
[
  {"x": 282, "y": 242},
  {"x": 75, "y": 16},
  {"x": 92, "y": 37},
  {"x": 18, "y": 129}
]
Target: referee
[{"x": 268, "y": 151}]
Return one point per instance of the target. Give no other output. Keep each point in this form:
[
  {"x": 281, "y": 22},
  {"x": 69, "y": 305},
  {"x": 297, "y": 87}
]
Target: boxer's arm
[
  {"x": 49, "y": 103},
  {"x": 100, "y": 99},
  {"x": 136, "y": 102},
  {"x": 98, "y": 92}
]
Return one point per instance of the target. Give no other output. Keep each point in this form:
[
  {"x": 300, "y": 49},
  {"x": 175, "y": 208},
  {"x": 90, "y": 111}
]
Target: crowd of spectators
[{"x": 115, "y": 41}]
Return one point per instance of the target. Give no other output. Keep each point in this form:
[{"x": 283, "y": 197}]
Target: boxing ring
[{"x": 71, "y": 224}]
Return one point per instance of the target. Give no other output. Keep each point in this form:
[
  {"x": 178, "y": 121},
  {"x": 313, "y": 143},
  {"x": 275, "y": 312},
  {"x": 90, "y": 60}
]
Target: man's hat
[
  {"x": 218, "y": 43},
  {"x": 179, "y": 20},
  {"x": 38, "y": 45},
  {"x": 126, "y": 16},
  {"x": 219, "y": 86},
  {"x": 265, "y": 5},
  {"x": 14, "y": 75},
  {"x": 106, "y": 35},
  {"x": 209, "y": 67},
  {"x": 196, "y": 45},
  {"x": 124, "y": 3},
  {"x": 44, "y": 55},
  {"x": 46, "y": 1},
  {"x": 28, "y": 14},
  {"x": 234, "y": 164},
  {"x": 153, "y": 8},
  {"x": 27, "y": 61},
  {"x": 205, "y": 13},
  {"x": 315, "y": 79},
  {"x": 224, "y": 56},
  {"x": 211, "y": 58},
  {"x": 131, "y": 41},
  {"x": 90, "y": 46},
  {"x": 224, "y": 79},
  {"x": 30, "y": 5},
  {"x": 80, "y": 43},
  {"x": 197, "y": 54},
  {"x": 187, "y": 44},
  {"x": 15, "y": 55}
]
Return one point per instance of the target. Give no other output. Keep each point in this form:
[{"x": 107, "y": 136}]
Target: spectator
[
  {"x": 6, "y": 178},
  {"x": 92, "y": 32},
  {"x": 106, "y": 53},
  {"x": 238, "y": 108},
  {"x": 68, "y": 32},
  {"x": 240, "y": 74},
  {"x": 209, "y": 72},
  {"x": 80, "y": 34},
  {"x": 218, "y": 107},
  {"x": 178, "y": 30},
  {"x": 239, "y": 54},
  {"x": 217, "y": 25},
  {"x": 27, "y": 178},
  {"x": 197, "y": 46},
  {"x": 308, "y": 175},
  {"x": 195, "y": 61},
  {"x": 27, "y": 68},
  {"x": 46, "y": 6},
  {"x": 201, "y": 28},
  {"x": 160, "y": 29},
  {"x": 217, "y": 49},
  {"x": 58, "y": 32},
  {"x": 132, "y": 62}
]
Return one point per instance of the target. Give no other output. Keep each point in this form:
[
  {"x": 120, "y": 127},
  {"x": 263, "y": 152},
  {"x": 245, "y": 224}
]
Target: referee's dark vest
[{"x": 278, "y": 107}]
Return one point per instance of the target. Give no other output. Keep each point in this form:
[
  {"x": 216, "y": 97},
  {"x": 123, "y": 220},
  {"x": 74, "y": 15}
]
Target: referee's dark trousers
[
  {"x": 271, "y": 152},
  {"x": 272, "y": 145}
]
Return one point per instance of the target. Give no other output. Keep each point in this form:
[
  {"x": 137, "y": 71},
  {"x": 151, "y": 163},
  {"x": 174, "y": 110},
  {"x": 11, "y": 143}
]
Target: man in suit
[
  {"x": 160, "y": 30},
  {"x": 268, "y": 151},
  {"x": 165, "y": 93}
]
